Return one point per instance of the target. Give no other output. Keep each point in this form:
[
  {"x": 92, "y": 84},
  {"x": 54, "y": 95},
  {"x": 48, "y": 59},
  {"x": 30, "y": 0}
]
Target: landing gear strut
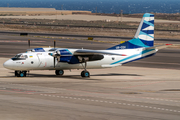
[
  {"x": 20, "y": 73},
  {"x": 59, "y": 72},
  {"x": 85, "y": 73}
]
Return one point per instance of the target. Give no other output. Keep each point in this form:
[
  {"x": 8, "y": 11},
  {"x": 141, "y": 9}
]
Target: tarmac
[
  {"x": 117, "y": 93},
  {"x": 148, "y": 89}
]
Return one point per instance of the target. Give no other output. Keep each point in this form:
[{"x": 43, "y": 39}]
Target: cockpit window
[
  {"x": 20, "y": 57},
  {"x": 17, "y": 56}
]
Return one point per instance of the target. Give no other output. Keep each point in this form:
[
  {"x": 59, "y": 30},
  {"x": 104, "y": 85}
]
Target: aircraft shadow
[
  {"x": 56, "y": 76},
  {"x": 116, "y": 74},
  {"x": 31, "y": 75},
  {"x": 71, "y": 76}
]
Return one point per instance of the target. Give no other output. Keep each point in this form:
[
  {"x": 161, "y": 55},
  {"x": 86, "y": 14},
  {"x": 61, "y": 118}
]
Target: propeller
[
  {"x": 54, "y": 44},
  {"x": 54, "y": 62},
  {"x": 54, "y": 57},
  {"x": 29, "y": 43}
]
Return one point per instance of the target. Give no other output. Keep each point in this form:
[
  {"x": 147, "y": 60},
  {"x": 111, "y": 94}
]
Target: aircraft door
[{"x": 42, "y": 62}]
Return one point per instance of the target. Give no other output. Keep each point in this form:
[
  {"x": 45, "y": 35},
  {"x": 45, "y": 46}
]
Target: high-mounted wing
[
  {"x": 95, "y": 52},
  {"x": 81, "y": 55}
]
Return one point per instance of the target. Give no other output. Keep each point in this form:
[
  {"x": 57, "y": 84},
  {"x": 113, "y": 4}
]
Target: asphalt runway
[{"x": 147, "y": 89}]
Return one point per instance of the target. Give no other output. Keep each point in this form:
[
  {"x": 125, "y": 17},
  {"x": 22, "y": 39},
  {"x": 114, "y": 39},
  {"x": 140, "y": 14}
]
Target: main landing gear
[
  {"x": 20, "y": 73},
  {"x": 85, "y": 73},
  {"x": 59, "y": 72}
]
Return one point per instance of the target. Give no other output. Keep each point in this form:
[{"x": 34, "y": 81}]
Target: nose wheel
[{"x": 20, "y": 73}]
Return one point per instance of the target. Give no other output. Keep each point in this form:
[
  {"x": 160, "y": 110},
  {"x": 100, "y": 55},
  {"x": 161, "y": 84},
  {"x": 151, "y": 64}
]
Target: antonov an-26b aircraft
[{"x": 60, "y": 59}]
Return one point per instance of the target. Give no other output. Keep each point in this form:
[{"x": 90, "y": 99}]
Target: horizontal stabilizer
[{"x": 158, "y": 47}]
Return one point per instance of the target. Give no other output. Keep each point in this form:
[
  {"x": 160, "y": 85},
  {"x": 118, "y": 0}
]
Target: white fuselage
[{"x": 43, "y": 61}]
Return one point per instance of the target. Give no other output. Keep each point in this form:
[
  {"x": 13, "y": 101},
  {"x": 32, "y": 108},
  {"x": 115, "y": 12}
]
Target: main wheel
[
  {"x": 85, "y": 74},
  {"x": 59, "y": 72},
  {"x": 82, "y": 74}
]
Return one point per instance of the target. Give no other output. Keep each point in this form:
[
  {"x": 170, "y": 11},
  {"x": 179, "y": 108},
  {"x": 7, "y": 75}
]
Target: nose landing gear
[{"x": 20, "y": 73}]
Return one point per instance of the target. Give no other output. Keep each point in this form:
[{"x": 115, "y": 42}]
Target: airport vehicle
[{"x": 60, "y": 59}]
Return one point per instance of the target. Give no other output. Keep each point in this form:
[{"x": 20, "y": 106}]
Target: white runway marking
[
  {"x": 61, "y": 89},
  {"x": 110, "y": 102}
]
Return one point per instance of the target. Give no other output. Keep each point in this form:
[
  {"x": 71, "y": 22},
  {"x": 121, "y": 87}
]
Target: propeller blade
[
  {"x": 54, "y": 62},
  {"x": 54, "y": 44},
  {"x": 29, "y": 43},
  {"x": 54, "y": 57}
]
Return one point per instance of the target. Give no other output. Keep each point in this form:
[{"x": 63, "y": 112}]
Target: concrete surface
[{"x": 109, "y": 94}]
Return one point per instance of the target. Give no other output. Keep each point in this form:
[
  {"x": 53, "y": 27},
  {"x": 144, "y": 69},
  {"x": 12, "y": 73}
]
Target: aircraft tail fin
[{"x": 144, "y": 36}]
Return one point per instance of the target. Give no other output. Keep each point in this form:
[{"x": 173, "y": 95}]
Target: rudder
[
  {"x": 145, "y": 30},
  {"x": 144, "y": 36}
]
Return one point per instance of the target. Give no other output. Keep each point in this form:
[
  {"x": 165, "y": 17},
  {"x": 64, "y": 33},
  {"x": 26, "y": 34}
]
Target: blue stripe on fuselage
[{"x": 143, "y": 52}]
